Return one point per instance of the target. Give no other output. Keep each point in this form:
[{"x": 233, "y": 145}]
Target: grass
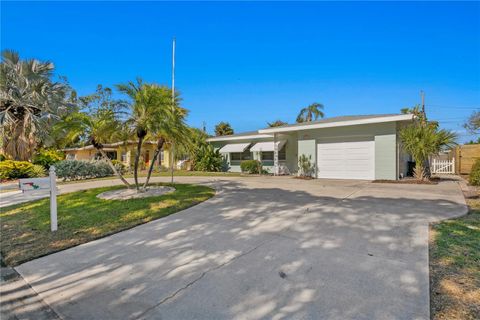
[
  {"x": 82, "y": 217},
  {"x": 455, "y": 266}
]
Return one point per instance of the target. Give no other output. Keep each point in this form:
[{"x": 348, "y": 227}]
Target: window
[
  {"x": 124, "y": 157},
  {"x": 239, "y": 156},
  {"x": 112, "y": 155},
  {"x": 162, "y": 156},
  {"x": 70, "y": 156},
  {"x": 268, "y": 155}
]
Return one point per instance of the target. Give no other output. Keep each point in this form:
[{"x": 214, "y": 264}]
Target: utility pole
[{"x": 173, "y": 107}]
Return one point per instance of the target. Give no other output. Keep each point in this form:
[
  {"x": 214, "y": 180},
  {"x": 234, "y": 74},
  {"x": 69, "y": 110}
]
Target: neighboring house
[
  {"x": 348, "y": 147},
  {"x": 121, "y": 151}
]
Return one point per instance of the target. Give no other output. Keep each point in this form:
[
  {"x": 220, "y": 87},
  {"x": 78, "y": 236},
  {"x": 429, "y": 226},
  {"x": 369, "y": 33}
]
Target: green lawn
[
  {"x": 455, "y": 266},
  {"x": 82, "y": 217}
]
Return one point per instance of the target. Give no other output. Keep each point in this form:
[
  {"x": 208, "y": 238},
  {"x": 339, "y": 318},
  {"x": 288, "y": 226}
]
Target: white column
[
  {"x": 275, "y": 154},
  {"x": 53, "y": 199}
]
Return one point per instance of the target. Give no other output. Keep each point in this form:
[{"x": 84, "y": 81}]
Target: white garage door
[{"x": 346, "y": 160}]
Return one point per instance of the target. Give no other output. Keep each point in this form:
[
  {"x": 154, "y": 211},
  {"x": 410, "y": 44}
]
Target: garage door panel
[{"x": 346, "y": 160}]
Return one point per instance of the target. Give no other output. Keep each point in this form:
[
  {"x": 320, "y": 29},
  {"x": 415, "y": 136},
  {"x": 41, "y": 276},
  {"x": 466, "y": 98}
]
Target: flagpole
[{"x": 173, "y": 106}]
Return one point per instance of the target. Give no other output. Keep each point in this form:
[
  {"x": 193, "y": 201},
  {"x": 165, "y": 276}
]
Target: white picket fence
[{"x": 443, "y": 166}]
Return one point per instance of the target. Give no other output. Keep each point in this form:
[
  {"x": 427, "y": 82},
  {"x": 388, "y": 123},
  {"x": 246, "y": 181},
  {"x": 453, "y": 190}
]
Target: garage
[{"x": 346, "y": 160}]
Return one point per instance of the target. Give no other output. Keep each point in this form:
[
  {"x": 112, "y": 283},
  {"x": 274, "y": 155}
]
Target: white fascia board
[
  {"x": 401, "y": 117},
  {"x": 227, "y": 138}
]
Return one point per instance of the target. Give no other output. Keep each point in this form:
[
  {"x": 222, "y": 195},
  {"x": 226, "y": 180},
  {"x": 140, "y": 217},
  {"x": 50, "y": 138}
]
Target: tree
[
  {"x": 197, "y": 139},
  {"x": 421, "y": 140},
  {"x": 277, "y": 123},
  {"x": 209, "y": 159},
  {"x": 169, "y": 126},
  {"x": 146, "y": 100},
  {"x": 310, "y": 113},
  {"x": 99, "y": 121},
  {"x": 473, "y": 123},
  {"x": 30, "y": 103},
  {"x": 223, "y": 129}
]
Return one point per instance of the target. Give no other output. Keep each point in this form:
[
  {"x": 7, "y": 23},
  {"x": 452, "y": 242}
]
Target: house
[
  {"x": 347, "y": 147},
  {"x": 121, "y": 151}
]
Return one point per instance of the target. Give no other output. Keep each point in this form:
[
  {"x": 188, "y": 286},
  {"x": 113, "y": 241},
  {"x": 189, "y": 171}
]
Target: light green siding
[
  {"x": 305, "y": 142},
  {"x": 385, "y": 157},
  {"x": 308, "y": 148},
  {"x": 384, "y": 135}
]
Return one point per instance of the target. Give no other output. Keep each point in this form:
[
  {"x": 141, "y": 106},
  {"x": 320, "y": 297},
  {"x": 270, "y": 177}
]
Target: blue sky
[{"x": 249, "y": 63}]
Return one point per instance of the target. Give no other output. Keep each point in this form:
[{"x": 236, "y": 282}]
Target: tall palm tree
[
  {"x": 169, "y": 127},
  {"x": 310, "y": 113},
  {"x": 30, "y": 103},
  {"x": 151, "y": 105},
  {"x": 223, "y": 129},
  {"x": 421, "y": 140}
]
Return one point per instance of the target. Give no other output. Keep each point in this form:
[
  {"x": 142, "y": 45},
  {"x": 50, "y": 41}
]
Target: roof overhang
[
  {"x": 400, "y": 117},
  {"x": 233, "y": 138}
]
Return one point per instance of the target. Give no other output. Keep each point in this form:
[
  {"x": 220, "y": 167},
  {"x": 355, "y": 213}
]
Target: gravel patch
[{"x": 125, "y": 194}]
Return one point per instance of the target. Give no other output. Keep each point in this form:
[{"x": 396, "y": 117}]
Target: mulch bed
[{"x": 407, "y": 181}]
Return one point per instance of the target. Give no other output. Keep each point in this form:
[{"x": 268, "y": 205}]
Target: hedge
[{"x": 79, "y": 170}]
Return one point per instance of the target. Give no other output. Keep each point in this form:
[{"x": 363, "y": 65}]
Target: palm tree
[
  {"x": 421, "y": 140},
  {"x": 30, "y": 103},
  {"x": 276, "y": 123},
  {"x": 168, "y": 125},
  {"x": 142, "y": 111},
  {"x": 97, "y": 123},
  {"x": 223, "y": 129},
  {"x": 310, "y": 113}
]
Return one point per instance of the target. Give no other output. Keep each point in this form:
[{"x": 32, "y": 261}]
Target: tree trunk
[
  {"x": 115, "y": 171},
  {"x": 160, "y": 143},
  {"x": 137, "y": 158},
  {"x": 419, "y": 171}
]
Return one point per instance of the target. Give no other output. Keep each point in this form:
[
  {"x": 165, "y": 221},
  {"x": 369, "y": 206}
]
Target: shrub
[
  {"x": 10, "y": 169},
  {"x": 208, "y": 159},
  {"x": 120, "y": 166},
  {"x": 37, "y": 171},
  {"x": 2, "y": 157},
  {"x": 474, "y": 177},
  {"x": 305, "y": 166},
  {"x": 250, "y": 166},
  {"x": 47, "y": 157},
  {"x": 78, "y": 170}
]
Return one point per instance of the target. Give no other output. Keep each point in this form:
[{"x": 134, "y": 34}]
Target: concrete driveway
[{"x": 262, "y": 248}]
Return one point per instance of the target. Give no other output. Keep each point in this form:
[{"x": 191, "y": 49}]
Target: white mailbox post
[{"x": 49, "y": 183}]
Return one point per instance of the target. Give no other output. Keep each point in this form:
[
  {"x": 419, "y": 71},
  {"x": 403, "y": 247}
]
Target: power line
[{"x": 453, "y": 107}]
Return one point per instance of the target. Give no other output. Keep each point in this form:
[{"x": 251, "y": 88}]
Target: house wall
[
  {"x": 290, "y": 153},
  {"x": 128, "y": 150},
  {"x": 384, "y": 135}
]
